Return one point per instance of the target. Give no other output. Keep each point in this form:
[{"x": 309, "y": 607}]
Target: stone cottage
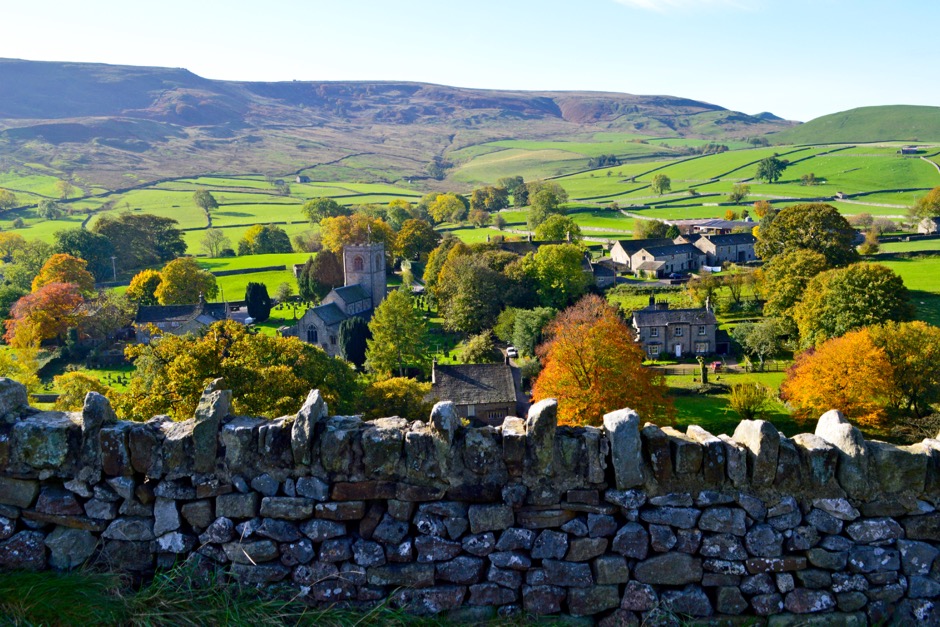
[{"x": 676, "y": 332}]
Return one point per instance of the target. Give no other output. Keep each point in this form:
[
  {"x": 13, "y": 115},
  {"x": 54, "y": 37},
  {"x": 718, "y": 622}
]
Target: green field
[{"x": 922, "y": 276}]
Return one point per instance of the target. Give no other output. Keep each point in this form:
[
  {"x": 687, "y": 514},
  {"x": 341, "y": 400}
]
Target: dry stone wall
[{"x": 620, "y": 524}]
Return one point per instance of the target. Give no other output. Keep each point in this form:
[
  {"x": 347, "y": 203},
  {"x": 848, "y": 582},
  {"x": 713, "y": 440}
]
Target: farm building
[
  {"x": 178, "y": 319},
  {"x": 661, "y": 261},
  {"x": 364, "y": 288},
  {"x": 302, "y": 178},
  {"x": 675, "y": 332},
  {"x": 487, "y": 392},
  {"x": 731, "y": 248},
  {"x": 713, "y": 226},
  {"x": 624, "y": 249},
  {"x": 929, "y": 226}
]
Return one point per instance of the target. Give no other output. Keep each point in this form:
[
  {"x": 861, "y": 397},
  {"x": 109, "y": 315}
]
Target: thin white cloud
[{"x": 665, "y": 6}]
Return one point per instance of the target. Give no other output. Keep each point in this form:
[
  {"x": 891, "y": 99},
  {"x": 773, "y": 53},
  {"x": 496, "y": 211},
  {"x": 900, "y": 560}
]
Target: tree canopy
[
  {"x": 812, "y": 226},
  {"x": 770, "y": 169},
  {"x": 257, "y": 301},
  {"x": 141, "y": 239},
  {"x": 184, "y": 282},
  {"x": 844, "y": 299},
  {"x": 354, "y": 335},
  {"x": 45, "y": 314},
  {"x": 205, "y": 200},
  {"x": 93, "y": 247},
  {"x": 416, "y": 238},
  {"x": 268, "y": 375},
  {"x": 143, "y": 287},
  {"x": 63, "y": 268},
  {"x": 264, "y": 240},
  {"x": 398, "y": 337},
  {"x": 660, "y": 184},
  {"x": 592, "y": 366},
  {"x": 558, "y": 228},
  {"x": 318, "y": 208}
]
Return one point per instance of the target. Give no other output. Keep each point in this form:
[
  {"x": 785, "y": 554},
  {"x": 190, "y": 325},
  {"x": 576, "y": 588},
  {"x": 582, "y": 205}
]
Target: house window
[
  {"x": 701, "y": 347},
  {"x": 701, "y": 330},
  {"x": 653, "y": 350},
  {"x": 493, "y": 416},
  {"x": 358, "y": 264},
  {"x": 677, "y": 332},
  {"x": 654, "y": 332},
  {"x": 332, "y": 340},
  {"x": 312, "y": 335}
]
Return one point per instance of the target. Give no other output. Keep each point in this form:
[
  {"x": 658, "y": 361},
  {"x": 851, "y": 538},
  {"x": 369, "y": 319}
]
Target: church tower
[{"x": 364, "y": 265}]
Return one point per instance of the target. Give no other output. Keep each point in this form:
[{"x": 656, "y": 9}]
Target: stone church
[{"x": 364, "y": 288}]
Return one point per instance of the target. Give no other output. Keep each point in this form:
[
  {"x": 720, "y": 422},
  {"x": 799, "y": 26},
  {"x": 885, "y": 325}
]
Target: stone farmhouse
[
  {"x": 624, "y": 249},
  {"x": 929, "y": 226},
  {"x": 487, "y": 392},
  {"x": 365, "y": 286},
  {"x": 730, "y": 247},
  {"x": 675, "y": 332},
  {"x": 178, "y": 319},
  {"x": 661, "y": 261}
]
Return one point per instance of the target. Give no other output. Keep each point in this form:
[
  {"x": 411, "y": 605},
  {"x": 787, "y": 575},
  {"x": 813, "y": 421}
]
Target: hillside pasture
[{"x": 530, "y": 164}]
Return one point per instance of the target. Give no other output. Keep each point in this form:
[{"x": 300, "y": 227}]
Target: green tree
[
  {"x": 770, "y": 169},
  {"x": 557, "y": 273},
  {"x": 416, "y": 238},
  {"x": 354, "y": 335},
  {"x": 398, "y": 396},
  {"x": 184, "y": 282},
  {"x": 660, "y": 184},
  {"x": 479, "y": 349},
  {"x": 268, "y": 375},
  {"x": 143, "y": 287},
  {"x": 750, "y": 400},
  {"x": 325, "y": 272},
  {"x": 469, "y": 292},
  {"x": 927, "y": 206},
  {"x": 284, "y": 292},
  {"x": 528, "y": 326},
  {"x": 318, "y": 208},
  {"x": 65, "y": 188},
  {"x": 558, "y": 228},
  {"x": 647, "y": 229},
  {"x": 842, "y": 300},
  {"x": 760, "y": 340},
  {"x": 205, "y": 200},
  {"x": 258, "y": 301},
  {"x": 813, "y": 226},
  {"x": 398, "y": 337},
  {"x": 511, "y": 183},
  {"x": 28, "y": 260},
  {"x": 264, "y": 240},
  {"x": 94, "y": 248},
  {"x": 448, "y": 208},
  {"x": 783, "y": 281},
  {"x": 544, "y": 204},
  {"x": 108, "y": 313},
  {"x": 913, "y": 349},
  {"x": 739, "y": 192},
  {"x": 49, "y": 209},
  {"x": 7, "y": 199},
  {"x": 141, "y": 239},
  {"x": 214, "y": 242}
]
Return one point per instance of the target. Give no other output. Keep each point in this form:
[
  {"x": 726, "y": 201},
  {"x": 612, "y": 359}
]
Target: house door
[{"x": 678, "y": 350}]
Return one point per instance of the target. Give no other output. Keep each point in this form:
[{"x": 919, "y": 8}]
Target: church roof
[
  {"x": 330, "y": 314},
  {"x": 207, "y": 313},
  {"x": 351, "y": 293}
]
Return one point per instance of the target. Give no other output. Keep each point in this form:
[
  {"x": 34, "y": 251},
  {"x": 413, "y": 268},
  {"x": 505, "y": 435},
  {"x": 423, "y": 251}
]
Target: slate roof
[
  {"x": 351, "y": 293},
  {"x": 731, "y": 239},
  {"x": 672, "y": 249},
  {"x": 603, "y": 270},
  {"x": 663, "y": 317},
  {"x": 474, "y": 384},
  {"x": 633, "y": 245},
  {"x": 650, "y": 265},
  {"x": 181, "y": 313},
  {"x": 330, "y": 314}
]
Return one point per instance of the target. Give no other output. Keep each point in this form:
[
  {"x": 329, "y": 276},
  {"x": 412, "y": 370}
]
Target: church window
[
  {"x": 357, "y": 264},
  {"x": 312, "y": 335}
]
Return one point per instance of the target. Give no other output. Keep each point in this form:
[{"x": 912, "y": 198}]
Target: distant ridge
[
  {"x": 867, "y": 124},
  {"x": 109, "y": 122}
]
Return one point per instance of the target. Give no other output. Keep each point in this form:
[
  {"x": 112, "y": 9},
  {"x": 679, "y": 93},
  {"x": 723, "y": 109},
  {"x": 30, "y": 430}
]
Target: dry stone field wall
[{"x": 620, "y": 524}]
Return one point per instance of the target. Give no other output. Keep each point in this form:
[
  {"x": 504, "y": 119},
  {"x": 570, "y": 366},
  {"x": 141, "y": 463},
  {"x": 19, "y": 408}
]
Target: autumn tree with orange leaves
[
  {"x": 46, "y": 313},
  {"x": 849, "y": 373},
  {"x": 63, "y": 268},
  {"x": 592, "y": 366}
]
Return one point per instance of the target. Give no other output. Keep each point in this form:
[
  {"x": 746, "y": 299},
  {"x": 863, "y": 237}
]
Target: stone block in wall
[
  {"x": 639, "y": 597},
  {"x": 18, "y": 492},
  {"x": 490, "y": 518},
  {"x": 463, "y": 570},
  {"x": 70, "y": 548},
  {"x": 687, "y": 454},
  {"x": 96, "y": 413},
  {"x": 481, "y": 453},
  {"x": 413, "y": 575},
  {"x": 623, "y": 432},
  {"x": 540, "y": 425},
  {"x": 514, "y": 444},
  {"x": 237, "y": 505},
  {"x": 178, "y": 451},
  {"x": 593, "y": 600},
  {"x": 490, "y": 594},
  {"x": 274, "y": 442},
  {"x": 805, "y": 601},
  {"x": 423, "y": 463},
  {"x": 543, "y": 518},
  {"x": 251, "y": 552},
  {"x": 130, "y": 529},
  {"x": 258, "y": 574},
  {"x": 214, "y": 405},
  {"x": 633, "y": 541},
  {"x": 45, "y": 440},
  {"x": 143, "y": 445},
  {"x": 198, "y": 514},
  {"x": 444, "y": 422},
  {"x": 382, "y": 442},
  {"x": 789, "y": 474},
  {"x": 114, "y": 452},
  {"x": 430, "y": 600},
  {"x": 670, "y": 569},
  {"x": 714, "y": 456},
  {"x": 657, "y": 450},
  {"x": 853, "y": 468},
  {"x": 680, "y": 517},
  {"x": 898, "y": 468},
  {"x": 542, "y": 599},
  {"x": 240, "y": 439},
  {"x": 303, "y": 429},
  {"x": 286, "y": 507},
  {"x": 690, "y": 601},
  {"x": 346, "y": 510},
  {"x": 13, "y": 399},
  {"x": 762, "y": 440},
  {"x": 568, "y": 574},
  {"x": 775, "y": 564},
  {"x": 729, "y": 600},
  {"x": 121, "y": 555},
  {"x": 735, "y": 461}
]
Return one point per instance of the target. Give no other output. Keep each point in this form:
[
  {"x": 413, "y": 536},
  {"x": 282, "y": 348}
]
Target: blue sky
[{"x": 796, "y": 58}]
